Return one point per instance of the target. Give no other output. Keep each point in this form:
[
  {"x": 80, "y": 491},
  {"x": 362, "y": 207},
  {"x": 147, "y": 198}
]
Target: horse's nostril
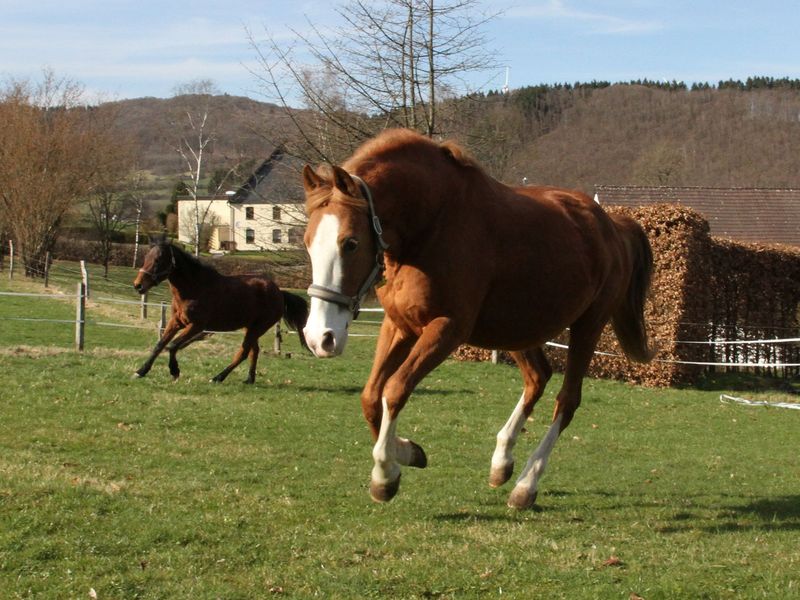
[{"x": 328, "y": 343}]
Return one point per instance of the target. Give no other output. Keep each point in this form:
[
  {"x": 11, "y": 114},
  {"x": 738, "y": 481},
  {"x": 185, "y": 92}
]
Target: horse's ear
[
  {"x": 343, "y": 181},
  {"x": 311, "y": 180}
]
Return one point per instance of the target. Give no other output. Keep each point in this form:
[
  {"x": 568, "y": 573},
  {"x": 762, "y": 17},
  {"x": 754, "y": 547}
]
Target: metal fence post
[{"x": 10, "y": 259}]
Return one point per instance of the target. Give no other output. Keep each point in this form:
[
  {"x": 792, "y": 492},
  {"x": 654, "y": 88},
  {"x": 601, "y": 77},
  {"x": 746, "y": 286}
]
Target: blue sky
[{"x": 126, "y": 49}]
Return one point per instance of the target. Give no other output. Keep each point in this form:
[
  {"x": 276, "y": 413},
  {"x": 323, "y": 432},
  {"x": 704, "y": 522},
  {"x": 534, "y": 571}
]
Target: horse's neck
[
  {"x": 408, "y": 213},
  {"x": 189, "y": 274}
]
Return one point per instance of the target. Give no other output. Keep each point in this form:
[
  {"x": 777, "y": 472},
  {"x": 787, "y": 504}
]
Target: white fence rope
[
  {"x": 380, "y": 310},
  {"x": 726, "y": 399}
]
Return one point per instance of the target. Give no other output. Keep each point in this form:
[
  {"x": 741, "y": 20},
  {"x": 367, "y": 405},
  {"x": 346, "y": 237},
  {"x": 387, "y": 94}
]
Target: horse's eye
[{"x": 350, "y": 245}]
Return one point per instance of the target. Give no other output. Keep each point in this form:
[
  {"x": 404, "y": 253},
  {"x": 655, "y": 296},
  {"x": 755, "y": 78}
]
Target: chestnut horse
[
  {"x": 205, "y": 300},
  {"x": 467, "y": 260}
]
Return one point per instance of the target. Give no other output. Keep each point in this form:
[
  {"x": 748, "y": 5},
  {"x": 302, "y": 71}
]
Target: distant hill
[
  {"x": 243, "y": 128},
  {"x": 645, "y": 133}
]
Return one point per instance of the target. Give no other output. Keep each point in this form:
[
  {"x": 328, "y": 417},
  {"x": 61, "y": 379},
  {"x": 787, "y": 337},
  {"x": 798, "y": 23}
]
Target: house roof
[
  {"x": 276, "y": 181},
  {"x": 765, "y": 215}
]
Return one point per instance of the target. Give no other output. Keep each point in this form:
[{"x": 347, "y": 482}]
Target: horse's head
[
  {"x": 344, "y": 241},
  {"x": 158, "y": 264}
]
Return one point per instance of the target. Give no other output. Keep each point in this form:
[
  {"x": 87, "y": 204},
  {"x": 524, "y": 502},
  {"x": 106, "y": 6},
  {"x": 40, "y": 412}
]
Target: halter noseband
[
  {"x": 353, "y": 303},
  {"x": 164, "y": 272}
]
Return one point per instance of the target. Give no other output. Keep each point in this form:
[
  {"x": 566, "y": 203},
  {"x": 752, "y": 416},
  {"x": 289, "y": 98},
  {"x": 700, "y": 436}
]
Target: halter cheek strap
[
  {"x": 165, "y": 272},
  {"x": 353, "y": 303}
]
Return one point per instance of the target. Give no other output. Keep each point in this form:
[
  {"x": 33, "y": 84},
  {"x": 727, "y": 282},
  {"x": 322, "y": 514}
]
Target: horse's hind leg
[
  {"x": 254, "y": 351},
  {"x": 581, "y": 348},
  {"x": 536, "y": 372},
  {"x": 249, "y": 347}
]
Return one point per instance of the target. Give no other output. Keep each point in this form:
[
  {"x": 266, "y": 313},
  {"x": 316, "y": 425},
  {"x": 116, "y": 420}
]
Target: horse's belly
[{"x": 515, "y": 320}]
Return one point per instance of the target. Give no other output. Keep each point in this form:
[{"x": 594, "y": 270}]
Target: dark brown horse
[
  {"x": 467, "y": 260},
  {"x": 205, "y": 300}
]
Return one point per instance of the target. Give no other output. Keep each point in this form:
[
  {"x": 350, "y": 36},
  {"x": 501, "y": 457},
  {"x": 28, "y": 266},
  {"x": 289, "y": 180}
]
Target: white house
[{"x": 266, "y": 213}]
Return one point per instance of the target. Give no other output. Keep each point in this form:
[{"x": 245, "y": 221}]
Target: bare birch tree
[{"x": 195, "y": 130}]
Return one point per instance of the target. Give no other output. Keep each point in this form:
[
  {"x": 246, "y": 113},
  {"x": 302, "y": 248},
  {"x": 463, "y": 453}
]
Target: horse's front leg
[
  {"x": 172, "y": 327},
  {"x": 192, "y": 332},
  {"x": 405, "y": 364}
]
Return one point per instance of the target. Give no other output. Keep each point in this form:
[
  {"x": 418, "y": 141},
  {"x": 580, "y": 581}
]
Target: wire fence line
[
  {"x": 81, "y": 321},
  {"x": 63, "y": 275}
]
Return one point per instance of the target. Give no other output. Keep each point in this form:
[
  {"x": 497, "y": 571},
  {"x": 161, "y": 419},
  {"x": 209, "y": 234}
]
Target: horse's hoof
[
  {"x": 383, "y": 492},
  {"x": 521, "y": 499},
  {"x": 137, "y": 375},
  {"x": 499, "y": 475},
  {"x": 418, "y": 457}
]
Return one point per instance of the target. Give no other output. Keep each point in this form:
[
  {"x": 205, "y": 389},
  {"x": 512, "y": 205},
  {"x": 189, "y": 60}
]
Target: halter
[
  {"x": 165, "y": 272},
  {"x": 353, "y": 303}
]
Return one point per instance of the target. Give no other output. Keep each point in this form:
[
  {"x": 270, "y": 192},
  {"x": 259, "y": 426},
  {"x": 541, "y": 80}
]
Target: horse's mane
[
  {"x": 188, "y": 260},
  {"x": 392, "y": 141},
  {"x": 460, "y": 155},
  {"x": 387, "y": 144}
]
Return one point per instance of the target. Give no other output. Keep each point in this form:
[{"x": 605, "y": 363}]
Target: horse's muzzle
[{"x": 325, "y": 343}]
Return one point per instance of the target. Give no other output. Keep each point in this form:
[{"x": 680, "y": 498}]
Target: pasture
[{"x": 158, "y": 489}]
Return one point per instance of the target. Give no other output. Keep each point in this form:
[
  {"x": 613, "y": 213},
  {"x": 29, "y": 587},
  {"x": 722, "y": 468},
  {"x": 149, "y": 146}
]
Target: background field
[{"x": 154, "y": 489}]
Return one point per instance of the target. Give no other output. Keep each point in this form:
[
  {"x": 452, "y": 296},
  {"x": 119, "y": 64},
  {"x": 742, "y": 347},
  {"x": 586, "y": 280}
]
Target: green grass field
[{"x": 157, "y": 489}]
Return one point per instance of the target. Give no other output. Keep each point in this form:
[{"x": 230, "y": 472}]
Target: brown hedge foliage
[{"x": 703, "y": 289}]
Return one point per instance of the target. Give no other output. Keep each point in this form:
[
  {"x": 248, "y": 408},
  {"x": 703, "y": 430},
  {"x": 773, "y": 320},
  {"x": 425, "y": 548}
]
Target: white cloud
[{"x": 598, "y": 22}]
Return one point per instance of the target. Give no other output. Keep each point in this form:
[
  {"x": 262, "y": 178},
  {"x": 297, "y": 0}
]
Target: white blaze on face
[{"x": 326, "y": 329}]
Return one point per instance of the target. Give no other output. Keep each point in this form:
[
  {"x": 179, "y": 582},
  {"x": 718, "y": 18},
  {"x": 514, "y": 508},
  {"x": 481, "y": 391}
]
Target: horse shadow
[
  {"x": 351, "y": 389},
  {"x": 781, "y": 513}
]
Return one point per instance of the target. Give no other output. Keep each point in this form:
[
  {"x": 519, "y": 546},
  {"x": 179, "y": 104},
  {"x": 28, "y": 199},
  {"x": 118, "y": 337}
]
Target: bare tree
[
  {"x": 53, "y": 151},
  {"x": 113, "y": 206},
  {"x": 195, "y": 130},
  {"x": 392, "y": 63},
  {"x": 137, "y": 204}
]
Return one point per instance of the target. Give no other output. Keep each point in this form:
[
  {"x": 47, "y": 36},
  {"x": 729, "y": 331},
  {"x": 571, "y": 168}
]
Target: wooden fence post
[
  {"x": 80, "y": 317},
  {"x": 85, "y": 276},
  {"x": 162, "y": 323},
  {"x": 10, "y": 259},
  {"x": 494, "y": 357},
  {"x": 278, "y": 339},
  {"x": 46, "y": 269},
  {"x": 143, "y": 310}
]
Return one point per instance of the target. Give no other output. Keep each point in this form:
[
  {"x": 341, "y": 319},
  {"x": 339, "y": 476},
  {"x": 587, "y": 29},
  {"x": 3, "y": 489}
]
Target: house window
[
  {"x": 249, "y": 213},
  {"x": 276, "y": 213},
  {"x": 276, "y": 236},
  {"x": 250, "y": 236},
  {"x": 296, "y": 235}
]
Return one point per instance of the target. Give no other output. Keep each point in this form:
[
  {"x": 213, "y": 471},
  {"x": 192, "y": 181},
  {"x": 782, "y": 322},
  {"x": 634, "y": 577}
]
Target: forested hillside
[
  {"x": 730, "y": 134},
  {"x": 242, "y": 128}
]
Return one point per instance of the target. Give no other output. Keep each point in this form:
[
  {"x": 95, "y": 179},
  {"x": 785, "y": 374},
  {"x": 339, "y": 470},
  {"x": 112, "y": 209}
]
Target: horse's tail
[
  {"x": 295, "y": 314},
  {"x": 628, "y": 319}
]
